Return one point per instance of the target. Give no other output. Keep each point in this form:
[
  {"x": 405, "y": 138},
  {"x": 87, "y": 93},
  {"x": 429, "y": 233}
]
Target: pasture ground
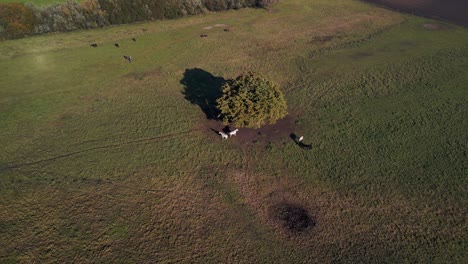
[{"x": 109, "y": 161}]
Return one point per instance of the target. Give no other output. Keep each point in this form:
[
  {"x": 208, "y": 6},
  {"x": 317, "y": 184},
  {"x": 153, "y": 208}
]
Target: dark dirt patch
[
  {"x": 137, "y": 75},
  {"x": 433, "y": 26},
  {"x": 264, "y": 135},
  {"x": 294, "y": 218},
  {"x": 269, "y": 133},
  {"x": 143, "y": 75}
]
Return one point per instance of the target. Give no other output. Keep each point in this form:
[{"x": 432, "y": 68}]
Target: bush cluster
[
  {"x": 18, "y": 20},
  {"x": 251, "y": 100}
]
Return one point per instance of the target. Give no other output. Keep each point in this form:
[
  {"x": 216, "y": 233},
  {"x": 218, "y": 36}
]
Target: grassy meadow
[{"x": 108, "y": 161}]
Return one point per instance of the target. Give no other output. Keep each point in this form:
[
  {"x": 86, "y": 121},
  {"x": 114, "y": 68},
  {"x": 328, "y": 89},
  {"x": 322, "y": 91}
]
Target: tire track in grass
[{"x": 136, "y": 141}]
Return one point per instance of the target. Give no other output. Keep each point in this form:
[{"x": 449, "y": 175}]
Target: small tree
[{"x": 250, "y": 100}]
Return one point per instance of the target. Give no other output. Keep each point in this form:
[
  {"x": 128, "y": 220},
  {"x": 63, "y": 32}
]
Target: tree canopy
[{"x": 250, "y": 100}]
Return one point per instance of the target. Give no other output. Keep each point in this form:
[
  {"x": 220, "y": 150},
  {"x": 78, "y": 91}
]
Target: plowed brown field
[{"x": 454, "y": 11}]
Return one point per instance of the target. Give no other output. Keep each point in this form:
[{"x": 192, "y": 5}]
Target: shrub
[
  {"x": 191, "y": 7},
  {"x": 16, "y": 20},
  {"x": 266, "y": 3},
  {"x": 251, "y": 100},
  {"x": 215, "y": 5}
]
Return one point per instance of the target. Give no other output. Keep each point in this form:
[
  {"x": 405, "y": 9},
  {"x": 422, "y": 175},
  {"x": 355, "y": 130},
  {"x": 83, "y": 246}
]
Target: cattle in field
[
  {"x": 117, "y": 45},
  {"x": 203, "y": 35},
  {"x": 94, "y": 45},
  {"x": 134, "y": 39},
  {"x": 129, "y": 58}
]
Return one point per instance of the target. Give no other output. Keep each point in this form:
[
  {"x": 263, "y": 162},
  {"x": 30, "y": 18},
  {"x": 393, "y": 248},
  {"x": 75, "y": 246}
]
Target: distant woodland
[{"x": 18, "y": 20}]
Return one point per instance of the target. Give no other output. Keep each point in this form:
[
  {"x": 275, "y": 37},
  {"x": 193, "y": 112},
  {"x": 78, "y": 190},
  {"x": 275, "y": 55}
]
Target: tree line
[{"x": 18, "y": 20}]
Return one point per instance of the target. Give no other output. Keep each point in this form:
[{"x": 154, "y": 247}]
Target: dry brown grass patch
[
  {"x": 337, "y": 220},
  {"x": 112, "y": 220},
  {"x": 216, "y": 25},
  {"x": 152, "y": 74}
]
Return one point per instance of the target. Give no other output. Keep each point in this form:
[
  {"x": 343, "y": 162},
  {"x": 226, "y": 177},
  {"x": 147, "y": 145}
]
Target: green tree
[{"x": 251, "y": 100}]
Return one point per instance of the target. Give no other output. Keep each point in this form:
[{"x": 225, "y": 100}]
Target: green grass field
[{"x": 106, "y": 161}]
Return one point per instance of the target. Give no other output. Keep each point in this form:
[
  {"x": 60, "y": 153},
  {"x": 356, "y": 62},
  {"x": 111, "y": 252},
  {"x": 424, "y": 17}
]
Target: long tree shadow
[{"x": 203, "y": 89}]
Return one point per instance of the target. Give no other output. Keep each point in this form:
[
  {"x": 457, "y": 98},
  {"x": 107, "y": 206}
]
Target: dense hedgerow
[{"x": 18, "y": 20}]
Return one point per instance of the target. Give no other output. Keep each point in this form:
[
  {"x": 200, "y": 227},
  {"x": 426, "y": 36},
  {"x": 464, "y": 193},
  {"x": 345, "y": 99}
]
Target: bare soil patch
[
  {"x": 215, "y": 25},
  {"x": 293, "y": 217},
  {"x": 144, "y": 75},
  {"x": 454, "y": 11},
  {"x": 433, "y": 26},
  {"x": 279, "y": 131}
]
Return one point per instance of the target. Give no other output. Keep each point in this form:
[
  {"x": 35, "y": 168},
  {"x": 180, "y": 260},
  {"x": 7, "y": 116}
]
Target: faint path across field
[
  {"x": 455, "y": 11},
  {"x": 115, "y": 145}
]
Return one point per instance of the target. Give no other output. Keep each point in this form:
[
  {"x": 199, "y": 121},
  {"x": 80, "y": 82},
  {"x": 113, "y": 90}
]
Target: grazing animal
[
  {"x": 223, "y": 135},
  {"x": 129, "y": 58},
  {"x": 203, "y": 35},
  {"x": 226, "y": 30},
  {"x": 134, "y": 39},
  {"x": 117, "y": 45},
  {"x": 233, "y": 133},
  {"x": 94, "y": 45},
  {"x": 301, "y": 138}
]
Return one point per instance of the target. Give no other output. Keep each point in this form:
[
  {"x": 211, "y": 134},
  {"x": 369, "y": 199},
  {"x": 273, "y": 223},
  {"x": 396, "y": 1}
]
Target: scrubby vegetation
[
  {"x": 251, "y": 100},
  {"x": 18, "y": 19}
]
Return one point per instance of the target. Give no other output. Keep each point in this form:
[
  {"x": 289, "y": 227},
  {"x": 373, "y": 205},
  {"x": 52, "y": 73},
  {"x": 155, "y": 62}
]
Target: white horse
[
  {"x": 233, "y": 133},
  {"x": 223, "y": 135}
]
